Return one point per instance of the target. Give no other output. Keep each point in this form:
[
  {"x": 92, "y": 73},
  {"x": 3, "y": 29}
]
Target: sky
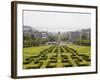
[{"x": 56, "y": 21}]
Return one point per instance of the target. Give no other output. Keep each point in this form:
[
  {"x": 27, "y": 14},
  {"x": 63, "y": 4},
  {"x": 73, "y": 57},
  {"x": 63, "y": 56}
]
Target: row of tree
[
  {"x": 83, "y": 41},
  {"x": 29, "y": 41}
]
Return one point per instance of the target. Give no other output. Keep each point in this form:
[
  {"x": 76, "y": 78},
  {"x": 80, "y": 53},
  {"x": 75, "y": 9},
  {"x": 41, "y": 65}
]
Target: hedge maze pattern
[{"x": 56, "y": 57}]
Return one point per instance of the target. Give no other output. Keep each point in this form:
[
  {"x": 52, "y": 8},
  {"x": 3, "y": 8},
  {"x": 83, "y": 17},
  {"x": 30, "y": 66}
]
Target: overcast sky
[{"x": 55, "y": 21}]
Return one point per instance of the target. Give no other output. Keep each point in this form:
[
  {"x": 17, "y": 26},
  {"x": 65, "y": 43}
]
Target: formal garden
[{"x": 56, "y": 56}]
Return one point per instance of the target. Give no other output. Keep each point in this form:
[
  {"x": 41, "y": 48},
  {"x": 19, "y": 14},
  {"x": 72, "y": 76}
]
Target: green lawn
[
  {"x": 34, "y": 50},
  {"x": 81, "y": 49}
]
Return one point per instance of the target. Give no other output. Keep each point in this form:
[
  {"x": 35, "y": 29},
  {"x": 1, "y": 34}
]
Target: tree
[{"x": 84, "y": 37}]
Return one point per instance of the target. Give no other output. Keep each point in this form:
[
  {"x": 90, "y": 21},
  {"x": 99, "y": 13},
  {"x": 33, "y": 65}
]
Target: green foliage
[
  {"x": 83, "y": 42},
  {"x": 52, "y": 38},
  {"x": 33, "y": 56},
  {"x": 64, "y": 38},
  {"x": 29, "y": 42},
  {"x": 26, "y": 37},
  {"x": 84, "y": 37}
]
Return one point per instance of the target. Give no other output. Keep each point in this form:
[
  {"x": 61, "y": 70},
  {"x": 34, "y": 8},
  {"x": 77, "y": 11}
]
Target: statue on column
[{"x": 58, "y": 38}]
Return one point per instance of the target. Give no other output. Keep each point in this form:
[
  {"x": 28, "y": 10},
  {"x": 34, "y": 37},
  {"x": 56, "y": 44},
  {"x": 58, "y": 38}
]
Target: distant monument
[{"x": 58, "y": 37}]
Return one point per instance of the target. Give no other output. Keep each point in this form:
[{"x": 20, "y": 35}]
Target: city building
[
  {"x": 73, "y": 36},
  {"x": 78, "y": 35}
]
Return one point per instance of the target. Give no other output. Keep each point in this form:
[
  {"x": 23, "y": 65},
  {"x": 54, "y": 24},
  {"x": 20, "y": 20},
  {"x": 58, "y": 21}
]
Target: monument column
[{"x": 58, "y": 37}]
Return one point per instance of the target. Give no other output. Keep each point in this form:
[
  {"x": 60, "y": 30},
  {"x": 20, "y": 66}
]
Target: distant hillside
[{"x": 29, "y": 30}]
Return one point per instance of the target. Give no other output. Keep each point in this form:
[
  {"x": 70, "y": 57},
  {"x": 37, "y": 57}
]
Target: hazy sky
[{"x": 55, "y": 21}]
